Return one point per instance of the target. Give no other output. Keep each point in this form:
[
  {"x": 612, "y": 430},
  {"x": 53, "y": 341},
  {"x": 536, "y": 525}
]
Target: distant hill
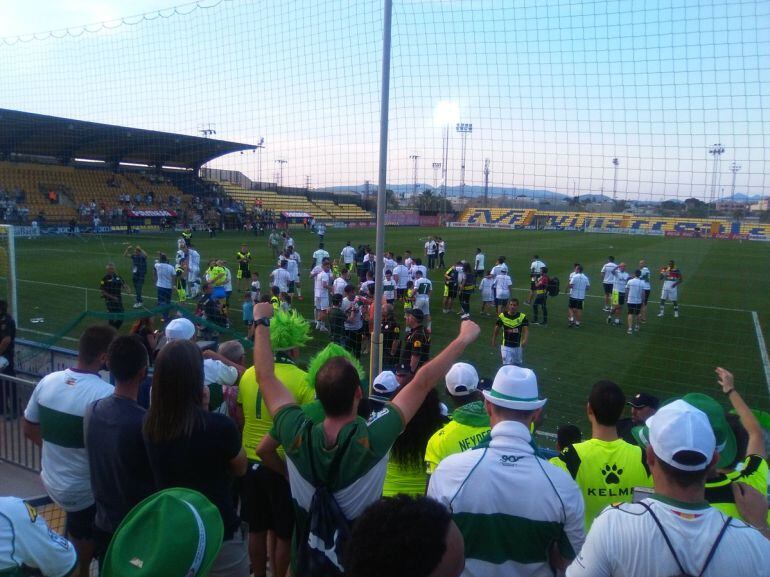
[{"x": 454, "y": 191}]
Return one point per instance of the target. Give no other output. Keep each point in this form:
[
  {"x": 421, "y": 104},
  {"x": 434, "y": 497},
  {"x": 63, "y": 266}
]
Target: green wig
[
  {"x": 330, "y": 351},
  {"x": 288, "y": 330}
]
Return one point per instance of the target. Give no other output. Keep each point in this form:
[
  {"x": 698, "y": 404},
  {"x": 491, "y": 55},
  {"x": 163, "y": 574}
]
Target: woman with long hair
[
  {"x": 190, "y": 447},
  {"x": 406, "y": 467}
]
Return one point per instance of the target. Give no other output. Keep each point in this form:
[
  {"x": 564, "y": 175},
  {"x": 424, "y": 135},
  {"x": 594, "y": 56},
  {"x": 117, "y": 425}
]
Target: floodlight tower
[
  {"x": 436, "y": 169},
  {"x": 734, "y": 168},
  {"x": 259, "y": 147},
  {"x": 414, "y": 158},
  {"x": 716, "y": 151},
  {"x": 206, "y": 130},
  {"x": 464, "y": 129},
  {"x": 486, "y": 182},
  {"x": 615, "y": 164},
  {"x": 280, "y": 163}
]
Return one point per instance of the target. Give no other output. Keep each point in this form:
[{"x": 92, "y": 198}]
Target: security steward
[
  {"x": 416, "y": 350},
  {"x": 541, "y": 296},
  {"x": 391, "y": 339},
  {"x": 243, "y": 257}
]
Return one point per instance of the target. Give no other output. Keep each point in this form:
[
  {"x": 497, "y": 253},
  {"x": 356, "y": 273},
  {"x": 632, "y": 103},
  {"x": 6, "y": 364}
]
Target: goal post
[{"x": 8, "y": 269}]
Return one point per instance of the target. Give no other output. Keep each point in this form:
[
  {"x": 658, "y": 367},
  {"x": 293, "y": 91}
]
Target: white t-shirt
[
  {"x": 355, "y": 321},
  {"x": 338, "y": 287},
  {"x": 635, "y": 291},
  {"x": 479, "y": 261},
  {"x": 579, "y": 283},
  {"x": 228, "y": 280},
  {"x": 422, "y": 289},
  {"x": 165, "y": 274},
  {"x": 626, "y": 542},
  {"x": 486, "y": 289},
  {"x": 281, "y": 279},
  {"x": 364, "y": 290},
  {"x": 58, "y": 404},
  {"x": 620, "y": 278},
  {"x": 288, "y": 242},
  {"x": 293, "y": 268},
  {"x": 401, "y": 274},
  {"x": 388, "y": 264},
  {"x": 607, "y": 271},
  {"x": 646, "y": 277},
  {"x": 348, "y": 254},
  {"x": 430, "y": 247},
  {"x": 319, "y": 255},
  {"x": 26, "y": 539},
  {"x": 498, "y": 269},
  {"x": 536, "y": 267},
  {"x": 422, "y": 268},
  {"x": 503, "y": 284},
  {"x": 442, "y": 246},
  {"x": 193, "y": 265},
  {"x": 321, "y": 286}
]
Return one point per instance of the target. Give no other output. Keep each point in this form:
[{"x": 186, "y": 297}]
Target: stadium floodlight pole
[
  {"x": 464, "y": 129},
  {"x": 436, "y": 168},
  {"x": 615, "y": 163},
  {"x": 445, "y": 172},
  {"x": 735, "y": 168},
  {"x": 375, "y": 358},
  {"x": 415, "y": 158},
  {"x": 716, "y": 151},
  {"x": 259, "y": 147},
  {"x": 486, "y": 183},
  {"x": 280, "y": 163}
]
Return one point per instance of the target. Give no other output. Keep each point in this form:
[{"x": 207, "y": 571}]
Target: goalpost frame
[{"x": 11, "y": 293}]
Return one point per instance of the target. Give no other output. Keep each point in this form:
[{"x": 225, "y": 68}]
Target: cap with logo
[
  {"x": 515, "y": 388},
  {"x": 461, "y": 380},
  {"x": 418, "y": 315},
  {"x": 725, "y": 439},
  {"x": 681, "y": 435},
  {"x": 173, "y": 532},
  {"x": 642, "y": 400},
  {"x": 180, "y": 329}
]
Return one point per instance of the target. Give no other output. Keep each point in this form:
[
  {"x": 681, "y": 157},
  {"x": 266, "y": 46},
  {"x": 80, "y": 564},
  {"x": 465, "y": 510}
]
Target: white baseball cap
[
  {"x": 678, "y": 427},
  {"x": 181, "y": 329},
  {"x": 385, "y": 383},
  {"x": 461, "y": 380},
  {"x": 515, "y": 388}
]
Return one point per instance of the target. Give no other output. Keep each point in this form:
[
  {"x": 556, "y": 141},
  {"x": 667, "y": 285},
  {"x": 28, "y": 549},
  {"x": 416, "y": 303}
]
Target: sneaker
[
  {"x": 535, "y": 322},
  {"x": 676, "y": 314},
  {"x": 660, "y": 314},
  {"x": 569, "y": 326},
  {"x": 609, "y": 320},
  {"x": 138, "y": 305},
  {"x": 630, "y": 331},
  {"x": 617, "y": 322},
  {"x": 636, "y": 328},
  {"x": 577, "y": 325}
]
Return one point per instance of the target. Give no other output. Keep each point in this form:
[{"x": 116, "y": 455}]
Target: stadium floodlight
[
  {"x": 414, "y": 158},
  {"x": 280, "y": 163},
  {"x": 259, "y": 147},
  {"x": 486, "y": 182},
  {"x": 464, "y": 129},
  {"x": 206, "y": 130},
  {"x": 436, "y": 168},
  {"x": 615, "y": 164},
  {"x": 447, "y": 112},
  {"x": 716, "y": 151},
  {"x": 734, "y": 168}
]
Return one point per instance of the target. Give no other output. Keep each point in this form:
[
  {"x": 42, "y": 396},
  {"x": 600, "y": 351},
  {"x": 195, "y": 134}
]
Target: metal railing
[{"x": 15, "y": 448}]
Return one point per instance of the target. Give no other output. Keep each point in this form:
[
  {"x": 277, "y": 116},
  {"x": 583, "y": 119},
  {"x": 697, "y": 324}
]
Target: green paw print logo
[{"x": 611, "y": 474}]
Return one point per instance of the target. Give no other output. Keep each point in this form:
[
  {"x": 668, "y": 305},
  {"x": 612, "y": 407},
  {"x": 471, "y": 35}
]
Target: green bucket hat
[
  {"x": 726, "y": 445},
  {"x": 172, "y": 532}
]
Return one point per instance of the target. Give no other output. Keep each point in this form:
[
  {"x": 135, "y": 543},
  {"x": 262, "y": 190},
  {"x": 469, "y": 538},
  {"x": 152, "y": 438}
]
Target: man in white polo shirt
[
  {"x": 54, "y": 419},
  {"x": 578, "y": 285},
  {"x": 675, "y": 531},
  {"x": 519, "y": 515},
  {"x": 322, "y": 284}
]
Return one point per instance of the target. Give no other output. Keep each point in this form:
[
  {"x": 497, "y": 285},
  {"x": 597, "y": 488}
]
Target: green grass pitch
[{"x": 724, "y": 281}]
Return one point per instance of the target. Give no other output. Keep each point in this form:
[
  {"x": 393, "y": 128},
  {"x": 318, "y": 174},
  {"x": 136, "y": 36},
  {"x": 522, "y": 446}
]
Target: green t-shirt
[
  {"x": 605, "y": 471},
  {"x": 719, "y": 491},
  {"x": 469, "y": 426},
  {"x": 256, "y": 417}
]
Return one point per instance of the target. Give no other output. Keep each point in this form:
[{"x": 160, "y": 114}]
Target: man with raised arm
[{"x": 344, "y": 454}]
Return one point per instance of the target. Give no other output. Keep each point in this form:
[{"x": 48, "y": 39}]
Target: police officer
[
  {"x": 417, "y": 344},
  {"x": 391, "y": 338},
  {"x": 243, "y": 257},
  {"x": 111, "y": 286}
]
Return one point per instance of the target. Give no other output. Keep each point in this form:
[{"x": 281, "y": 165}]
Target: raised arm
[
  {"x": 273, "y": 392},
  {"x": 756, "y": 444},
  {"x": 411, "y": 397}
]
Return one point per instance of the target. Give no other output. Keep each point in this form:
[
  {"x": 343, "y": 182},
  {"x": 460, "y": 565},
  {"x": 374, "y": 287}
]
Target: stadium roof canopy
[{"x": 65, "y": 139}]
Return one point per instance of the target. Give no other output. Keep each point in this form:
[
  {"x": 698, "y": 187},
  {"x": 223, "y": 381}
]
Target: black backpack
[
  {"x": 553, "y": 286},
  {"x": 321, "y": 546}
]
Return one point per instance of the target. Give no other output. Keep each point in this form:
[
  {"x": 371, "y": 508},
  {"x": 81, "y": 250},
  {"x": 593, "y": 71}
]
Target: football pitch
[{"x": 724, "y": 298}]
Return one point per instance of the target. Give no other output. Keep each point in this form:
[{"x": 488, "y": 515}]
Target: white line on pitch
[
  {"x": 45, "y": 334},
  {"x": 762, "y": 348}
]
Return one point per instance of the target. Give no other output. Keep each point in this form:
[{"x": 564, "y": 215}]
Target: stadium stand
[{"x": 618, "y": 222}]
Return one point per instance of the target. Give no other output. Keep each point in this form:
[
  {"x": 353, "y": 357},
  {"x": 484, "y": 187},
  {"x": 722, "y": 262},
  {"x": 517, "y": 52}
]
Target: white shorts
[
  {"x": 423, "y": 305},
  {"x": 512, "y": 355},
  {"x": 322, "y": 302},
  {"x": 487, "y": 297},
  {"x": 669, "y": 294}
]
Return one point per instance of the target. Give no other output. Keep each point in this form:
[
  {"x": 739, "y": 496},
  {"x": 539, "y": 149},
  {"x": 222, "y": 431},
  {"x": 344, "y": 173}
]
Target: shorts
[
  {"x": 512, "y": 355},
  {"x": 487, "y": 297},
  {"x": 669, "y": 294},
  {"x": 634, "y": 309},
  {"x": 423, "y": 305},
  {"x": 576, "y": 303},
  {"x": 291, "y": 287},
  {"x": 607, "y": 288},
  {"x": 501, "y": 302},
  {"x": 267, "y": 501},
  {"x": 243, "y": 272},
  {"x": 322, "y": 303},
  {"x": 218, "y": 292},
  {"x": 646, "y": 295},
  {"x": 80, "y": 524},
  {"x": 450, "y": 291},
  {"x": 618, "y": 298},
  {"x": 540, "y": 299}
]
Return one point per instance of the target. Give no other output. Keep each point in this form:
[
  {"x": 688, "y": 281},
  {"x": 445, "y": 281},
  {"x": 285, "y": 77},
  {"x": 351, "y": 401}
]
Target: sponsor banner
[
  {"x": 295, "y": 214},
  {"x": 151, "y": 214},
  {"x": 28, "y": 231},
  {"x": 434, "y": 220},
  {"x": 361, "y": 224},
  {"x": 402, "y": 218},
  {"x": 730, "y": 236},
  {"x": 338, "y": 224}
]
